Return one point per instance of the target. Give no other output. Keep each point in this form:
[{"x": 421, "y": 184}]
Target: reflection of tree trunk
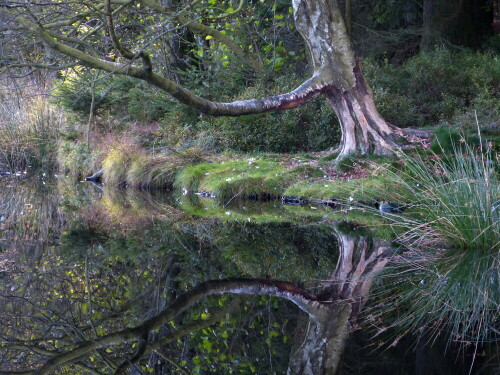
[
  {"x": 318, "y": 348},
  {"x": 322, "y": 341}
]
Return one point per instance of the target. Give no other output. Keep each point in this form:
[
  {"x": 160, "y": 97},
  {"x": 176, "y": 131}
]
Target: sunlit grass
[{"x": 128, "y": 164}]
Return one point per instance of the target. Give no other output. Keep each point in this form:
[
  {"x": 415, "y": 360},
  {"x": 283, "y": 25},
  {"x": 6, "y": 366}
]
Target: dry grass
[{"x": 29, "y": 134}]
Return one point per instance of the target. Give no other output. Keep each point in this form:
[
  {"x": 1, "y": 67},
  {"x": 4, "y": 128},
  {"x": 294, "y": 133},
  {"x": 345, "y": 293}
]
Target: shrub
[
  {"x": 75, "y": 159},
  {"x": 435, "y": 86},
  {"x": 119, "y": 96},
  {"x": 312, "y": 127}
]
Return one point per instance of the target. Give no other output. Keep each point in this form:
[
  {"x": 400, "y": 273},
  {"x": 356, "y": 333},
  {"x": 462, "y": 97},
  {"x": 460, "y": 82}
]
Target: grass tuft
[
  {"x": 29, "y": 134},
  {"x": 455, "y": 201}
]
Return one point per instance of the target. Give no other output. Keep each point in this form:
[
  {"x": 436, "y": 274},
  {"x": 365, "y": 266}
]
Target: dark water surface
[{"x": 285, "y": 289}]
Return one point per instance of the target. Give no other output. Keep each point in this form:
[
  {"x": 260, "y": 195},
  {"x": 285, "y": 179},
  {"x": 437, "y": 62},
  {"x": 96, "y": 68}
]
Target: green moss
[
  {"x": 360, "y": 190},
  {"x": 242, "y": 177}
]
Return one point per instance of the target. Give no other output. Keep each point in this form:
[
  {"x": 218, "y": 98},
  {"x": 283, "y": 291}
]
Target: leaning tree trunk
[{"x": 322, "y": 26}]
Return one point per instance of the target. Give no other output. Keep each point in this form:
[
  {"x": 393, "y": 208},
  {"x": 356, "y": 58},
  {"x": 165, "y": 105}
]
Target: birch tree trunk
[{"x": 322, "y": 26}]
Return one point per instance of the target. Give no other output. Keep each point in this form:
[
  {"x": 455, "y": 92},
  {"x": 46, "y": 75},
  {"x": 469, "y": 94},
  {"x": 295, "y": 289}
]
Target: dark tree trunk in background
[{"x": 457, "y": 22}]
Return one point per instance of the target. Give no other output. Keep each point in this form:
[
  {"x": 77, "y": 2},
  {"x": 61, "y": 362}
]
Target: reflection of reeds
[
  {"x": 31, "y": 218},
  {"x": 451, "y": 292},
  {"x": 129, "y": 209},
  {"x": 28, "y": 134}
]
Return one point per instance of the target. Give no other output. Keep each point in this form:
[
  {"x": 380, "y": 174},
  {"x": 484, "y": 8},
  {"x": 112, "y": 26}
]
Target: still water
[{"x": 106, "y": 281}]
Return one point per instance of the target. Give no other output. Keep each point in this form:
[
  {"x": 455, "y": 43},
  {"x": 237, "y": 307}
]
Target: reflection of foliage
[
  {"x": 282, "y": 251},
  {"x": 224, "y": 348}
]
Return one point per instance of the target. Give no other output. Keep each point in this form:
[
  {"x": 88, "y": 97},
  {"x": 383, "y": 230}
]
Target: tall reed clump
[
  {"x": 29, "y": 135},
  {"x": 454, "y": 200},
  {"x": 447, "y": 279}
]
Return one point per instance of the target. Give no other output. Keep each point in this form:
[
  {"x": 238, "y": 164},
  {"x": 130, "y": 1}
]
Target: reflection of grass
[
  {"x": 275, "y": 212},
  {"x": 454, "y": 291},
  {"x": 242, "y": 211}
]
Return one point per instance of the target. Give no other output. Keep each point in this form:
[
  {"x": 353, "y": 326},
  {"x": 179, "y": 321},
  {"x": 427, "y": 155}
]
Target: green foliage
[
  {"x": 436, "y": 86},
  {"x": 145, "y": 104},
  {"x": 74, "y": 92},
  {"x": 119, "y": 96},
  {"x": 450, "y": 140},
  {"x": 75, "y": 158},
  {"x": 312, "y": 127}
]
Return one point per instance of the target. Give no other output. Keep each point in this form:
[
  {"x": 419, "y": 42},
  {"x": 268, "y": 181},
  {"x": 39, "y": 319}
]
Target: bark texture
[{"x": 363, "y": 129}]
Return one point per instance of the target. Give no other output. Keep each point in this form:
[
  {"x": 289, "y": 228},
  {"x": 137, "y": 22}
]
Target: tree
[{"x": 76, "y": 32}]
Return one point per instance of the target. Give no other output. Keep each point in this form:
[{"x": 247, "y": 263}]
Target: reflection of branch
[
  {"x": 194, "y": 326},
  {"x": 283, "y": 289}
]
